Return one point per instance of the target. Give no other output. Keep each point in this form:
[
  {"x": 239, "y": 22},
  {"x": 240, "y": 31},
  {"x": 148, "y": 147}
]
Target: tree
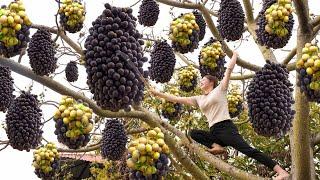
[{"x": 189, "y": 158}]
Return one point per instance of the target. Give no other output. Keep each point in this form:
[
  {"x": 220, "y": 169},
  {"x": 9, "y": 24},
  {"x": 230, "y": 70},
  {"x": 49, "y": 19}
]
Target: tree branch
[
  {"x": 185, "y": 60},
  {"x": 87, "y": 149},
  {"x": 55, "y": 86},
  {"x": 302, "y": 11},
  {"x": 248, "y": 11}
]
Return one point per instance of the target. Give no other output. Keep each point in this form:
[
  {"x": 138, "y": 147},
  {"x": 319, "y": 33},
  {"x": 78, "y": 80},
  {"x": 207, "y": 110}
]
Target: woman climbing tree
[{"x": 214, "y": 105}]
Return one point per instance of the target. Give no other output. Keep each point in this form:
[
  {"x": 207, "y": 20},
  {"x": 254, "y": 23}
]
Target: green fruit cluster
[
  {"x": 234, "y": 98},
  {"x": 145, "y": 151},
  {"x": 182, "y": 28},
  {"x": 12, "y": 18},
  {"x": 186, "y": 76},
  {"x": 210, "y": 54},
  {"x": 310, "y": 61},
  {"x": 43, "y": 158},
  {"x": 74, "y": 11},
  {"x": 76, "y": 116},
  {"x": 277, "y": 15}
]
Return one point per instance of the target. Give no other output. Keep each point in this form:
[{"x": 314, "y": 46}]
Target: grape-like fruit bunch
[
  {"x": 6, "y": 88},
  {"x": 145, "y": 154},
  {"x": 148, "y": 13},
  {"x": 270, "y": 100},
  {"x": 23, "y": 121},
  {"x": 46, "y": 161},
  {"x": 277, "y": 15},
  {"x": 114, "y": 140},
  {"x": 201, "y": 23},
  {"x": 308, "y": 68},
  {"x": 162, "y": 62},
  {"x": 14, "y": 29},
  {"x": 72, "y": 15},
  {"x": 275, "y": 23},
  {"x": 212, "y": 59},
  {"x": 41, "y": 53},
  {"x": 187, "y": 78},
  {"x": 230, "y": 20},
  {"x": 168, "y": 109},
  {"x": 113, "y": 80},
  {"x": 71, "y": 71},
  {"x": 235, "y": 101},
  {"x": 184, "y": 33},
  {"x": 73, "y": 123}
]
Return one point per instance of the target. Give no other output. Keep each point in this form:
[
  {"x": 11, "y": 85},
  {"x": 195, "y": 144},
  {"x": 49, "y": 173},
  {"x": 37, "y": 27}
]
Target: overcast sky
[{"x": 16, "y": 165}]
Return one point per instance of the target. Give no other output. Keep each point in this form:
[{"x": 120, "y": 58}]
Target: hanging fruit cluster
[
  {"x": 277, "y": 15},
  {"x": 72, "y": 15},
  {"x": 270, "y": 100},
  {"x": 308, "y": 68},
  {"x": 162, "y": 62},
  {"x": 187, "y": 78},
  {"x": 46, "y": 161},
  {"x": 184, "y": 33},
  {"x": 14, "y": 29},
  {"x": 73, "y": 123},
  {"x": 211, "y": 59},
  {"x": 168, "y": 109},
  {"x": 230, "y": 20},
  {"x": 23, "y": 121},
  {"x": 275, "y": 23},
  {"x": 71, "y": 71},
  {"x": 148, "y": 156},
  {"x": 235, "y": 101},
  {"x": 148, "y": 13},
  {"x": 114, "y": 140},
  {"x": 6, "y": 88},
  {"x": 113, "y": 81}
]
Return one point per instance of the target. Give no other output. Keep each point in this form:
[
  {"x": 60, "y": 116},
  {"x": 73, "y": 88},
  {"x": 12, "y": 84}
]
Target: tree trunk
[{"x": 300, "y": 146}]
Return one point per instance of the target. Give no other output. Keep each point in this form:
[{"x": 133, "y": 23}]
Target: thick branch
[
  {"x": 180, "y": 4},
  {"x": 185, "y": 60},
  {"x": 60, "y": 88},
  {"x": 248, "y": 11},
  {"x": 88, "y": 149},
  {"x": 137, "y": 131},
  {"x": 242, "y": 77},
  {"x": 302, "y": 11}
]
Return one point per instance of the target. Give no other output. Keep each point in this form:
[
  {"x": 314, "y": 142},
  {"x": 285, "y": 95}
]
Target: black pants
[{"x": 225, "y": 133}]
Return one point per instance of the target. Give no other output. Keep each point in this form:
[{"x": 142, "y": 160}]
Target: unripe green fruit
[
  {"x": 141, "y": 147},
  {"x": 148, "y": 148},
  {"x": 156, "y": 155}
]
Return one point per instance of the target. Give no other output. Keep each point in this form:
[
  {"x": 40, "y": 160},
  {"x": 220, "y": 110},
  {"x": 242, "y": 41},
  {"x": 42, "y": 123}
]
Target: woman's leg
[
  {"x": 234, "y": 139},
  {"x": 208, "y": 139}
]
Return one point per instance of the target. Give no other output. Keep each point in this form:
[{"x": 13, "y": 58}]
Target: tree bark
[{"x": 300, "y": 147}]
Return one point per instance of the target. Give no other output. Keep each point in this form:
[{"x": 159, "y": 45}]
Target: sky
[{"x": 15, "y": 164}]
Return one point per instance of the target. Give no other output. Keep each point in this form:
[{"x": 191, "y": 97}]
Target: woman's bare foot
[
  {"x": 217, "y": 149},
  {"x": 282, "y": 174}
]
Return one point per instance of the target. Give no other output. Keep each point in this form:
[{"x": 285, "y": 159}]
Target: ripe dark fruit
[
  {"x": 277, "y": 37},
  {"x": 270, "y": 100},
  {"x": 184, "y": 33},
  {"x": 23, "y": 121},
  {"x": 230, "y": 20},
  {"x": 148, "y": 13},
  {"x": 41, "y": 53},
  {"x": 72, "y": 15},
  {"x": 71, "y": 71},
  {"x": 162, "y": 62},
  {"x": 201, "y": 23},
  {"x": 212, "y": 59},
  {"x": 107, "y": 68},
  {"x": 6, "y": 88},
  {"x": 114, "y": 140}
]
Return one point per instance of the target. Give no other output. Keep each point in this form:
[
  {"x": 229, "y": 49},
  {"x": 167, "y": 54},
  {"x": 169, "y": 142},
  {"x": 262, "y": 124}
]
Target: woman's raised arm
[{"x": 227, "y": 74}]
